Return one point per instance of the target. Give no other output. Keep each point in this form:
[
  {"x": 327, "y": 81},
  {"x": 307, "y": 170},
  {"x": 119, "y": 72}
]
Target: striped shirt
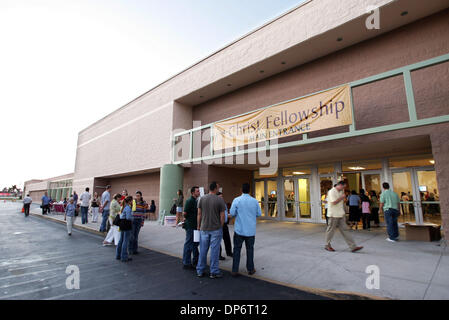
[{"x": 139, "y": 209}]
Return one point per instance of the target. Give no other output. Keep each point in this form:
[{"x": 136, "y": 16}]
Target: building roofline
[{"x": 270, "y": 21}]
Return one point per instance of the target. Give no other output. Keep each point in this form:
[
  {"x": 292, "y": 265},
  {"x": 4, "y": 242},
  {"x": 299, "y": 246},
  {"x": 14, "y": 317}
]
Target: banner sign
[{"x": 327, "y": 109}]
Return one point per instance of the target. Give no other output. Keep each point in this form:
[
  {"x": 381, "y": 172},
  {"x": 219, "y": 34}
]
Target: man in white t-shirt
[
  {"x": 85, "y": 200},
  {"x": 336, "y": 215}
]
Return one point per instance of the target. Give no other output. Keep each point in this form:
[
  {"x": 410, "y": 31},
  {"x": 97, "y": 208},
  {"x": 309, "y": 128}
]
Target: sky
[{"x": 65, "y": 64}]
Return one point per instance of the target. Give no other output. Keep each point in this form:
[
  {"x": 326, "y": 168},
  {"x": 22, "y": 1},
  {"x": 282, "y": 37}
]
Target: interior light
[
  {"x": 298, "y": 172},
  {"x": 356, "y": 168},
  {"x": 432, "y": 161}
]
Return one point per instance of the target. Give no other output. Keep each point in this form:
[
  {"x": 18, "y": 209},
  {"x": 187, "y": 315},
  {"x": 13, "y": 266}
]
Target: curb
[{"x": 335, "y": 295}]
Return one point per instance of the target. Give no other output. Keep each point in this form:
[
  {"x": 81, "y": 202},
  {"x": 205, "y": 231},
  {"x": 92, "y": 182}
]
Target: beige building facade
[{"x": 398, "y": 75}]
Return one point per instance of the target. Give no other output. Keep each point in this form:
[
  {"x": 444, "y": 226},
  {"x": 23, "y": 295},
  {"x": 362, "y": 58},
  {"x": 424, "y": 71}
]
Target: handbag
[
  {"x": 116, "y": 221},
  {"x": 125, "y": 225}
]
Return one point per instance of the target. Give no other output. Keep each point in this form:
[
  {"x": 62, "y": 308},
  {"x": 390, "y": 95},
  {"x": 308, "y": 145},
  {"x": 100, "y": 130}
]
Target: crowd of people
[{"x": 205, "y": 221}]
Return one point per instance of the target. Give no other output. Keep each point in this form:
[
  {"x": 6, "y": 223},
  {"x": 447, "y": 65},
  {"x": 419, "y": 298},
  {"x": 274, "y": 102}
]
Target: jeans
[
  {"x": 105, "y": 216},
  {"x": 249, "y": 243},
  {"x": 210, "y": 239},
  {"x": 391, "y": 218},
  {"x": 84, "y": 214},
  {"x": 122, "y": 248},
  {"x": 45, "y": 208},
  {"x": 227, "y": 240},
  {"x": 189, "y": 248},
  {"x": 366, "y": 217},
  {"x": 137, "y": 223},
  {"x": 26, "y": 208}
]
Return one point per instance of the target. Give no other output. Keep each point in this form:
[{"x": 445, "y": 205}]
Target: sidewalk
[{"x": 293, "y": 254}]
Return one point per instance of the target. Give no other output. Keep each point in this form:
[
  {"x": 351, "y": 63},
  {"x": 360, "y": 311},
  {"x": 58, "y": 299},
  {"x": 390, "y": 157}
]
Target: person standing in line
[
  {"x": 121, "y": 252},
  {"x": 95, "y": 204},
  {"x": 366, "y": 210},
  {"x": 374, "y": 203},
  {"x": 105, "y": 204},
  {"x": 389, "y": 204},
  {"x": 336, "y": 213},
  {"x": 152, "y": 211},
  {"x": 113, "y": 233},
  {"x": 75, "y": 198},
  {"x": 85, "y": 199},
  {"x": 354, "y": 209},
  {"x": 139, "y": 210},
  {"x": 246, "y": 209},
  {"x": 190, "y": 224},
  {"x": 26, "y": 205},
  {"x": 404, "y": 205},
  {"x": 124, "y": 195},
  {"x": 179, "y": 203},
  {"x": 69, "y": 215},
  {"x": 226, "y": 236},
  {"x": 45, "y": 204},
  {"x": 210, "y": 220}
]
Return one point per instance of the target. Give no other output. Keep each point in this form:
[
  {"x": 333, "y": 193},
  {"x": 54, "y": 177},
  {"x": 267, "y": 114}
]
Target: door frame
[{"x": 417, "y": 203}]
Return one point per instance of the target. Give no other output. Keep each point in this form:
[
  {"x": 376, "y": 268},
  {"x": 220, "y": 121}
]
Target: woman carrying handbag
[{"x": 126, "y": 218}]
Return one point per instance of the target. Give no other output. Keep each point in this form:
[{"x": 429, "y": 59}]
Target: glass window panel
[
  {"x": 296, "y": 171},
  {"x": 362, "y": 165},
  {"x": 257, "y": 175},
  {"x": 411, "y": 161},
  {"x": 325, "y": 168}
]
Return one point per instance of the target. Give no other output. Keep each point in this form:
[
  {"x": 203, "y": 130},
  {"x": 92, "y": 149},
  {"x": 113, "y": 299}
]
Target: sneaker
[
  {"x": 216, "y": 275},
  {"x": 356, "y": 249},
  {"x": 200, "y": 275},
  {"x": 70, "y": 234},
  {"x": 391, "y": 240},
  {"x": 329, "y": 248},
  {"x": 252, "y": 272}
]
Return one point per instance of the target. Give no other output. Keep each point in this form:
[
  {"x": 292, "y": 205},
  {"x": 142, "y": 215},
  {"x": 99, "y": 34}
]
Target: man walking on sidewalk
[
  {"x": 336, "y": 214},
  {"x": 246, "y": 209},
  {"x": 85, "y": 199},
  {"x": 211, "y": 209},
  {"x": 26, "y": 205},
  {"x": 389, "y": 204},
  {"x": 105, "y": 203}
]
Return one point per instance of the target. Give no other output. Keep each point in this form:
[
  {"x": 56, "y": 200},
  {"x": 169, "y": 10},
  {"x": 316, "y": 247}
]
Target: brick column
[{"x": 440, "y": 149}]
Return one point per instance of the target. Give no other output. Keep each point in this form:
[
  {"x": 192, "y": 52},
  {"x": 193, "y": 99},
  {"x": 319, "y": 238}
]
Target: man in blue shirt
[
  {"x": 45, "y": 203},
  {"x": 246, "y": 209}
]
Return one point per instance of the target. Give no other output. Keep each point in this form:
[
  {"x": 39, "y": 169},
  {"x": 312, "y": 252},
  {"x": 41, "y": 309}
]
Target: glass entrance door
[
  {"x": 326, "y": 183},
  {"x": 297, "y": 203},
  {"x": 260, "y": 196},
  {"x": 272, "y": 196},
  {"x": 404, "y": 186},
  {"x": 429, "y": 199},
  {"x": 290, "y": 206},
  {"x": 304, "y": 203}
]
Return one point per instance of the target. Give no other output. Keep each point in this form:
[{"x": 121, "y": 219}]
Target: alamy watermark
[
  {"x": 73, "y": 280},
  {"x": 373, "y": 280}
]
